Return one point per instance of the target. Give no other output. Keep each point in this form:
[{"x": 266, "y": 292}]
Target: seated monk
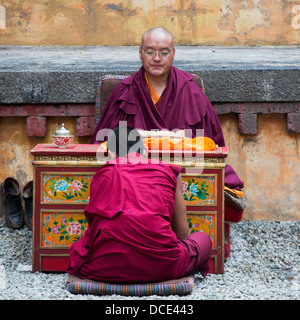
[
  {"x": 160, "y": 96},
  {"x": 137, "y": 225}
]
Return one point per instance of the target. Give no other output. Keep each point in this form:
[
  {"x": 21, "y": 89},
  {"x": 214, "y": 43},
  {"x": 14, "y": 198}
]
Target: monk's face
[{"x": 160, "y": 61}]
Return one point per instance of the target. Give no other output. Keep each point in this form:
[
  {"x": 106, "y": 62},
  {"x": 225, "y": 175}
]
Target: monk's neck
[{"x": 158, "y": 83}]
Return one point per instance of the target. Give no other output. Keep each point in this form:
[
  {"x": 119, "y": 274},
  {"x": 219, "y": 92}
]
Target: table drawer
[
  {"x": 58, "y": 187},
  {"x": 61, "y": 228}
]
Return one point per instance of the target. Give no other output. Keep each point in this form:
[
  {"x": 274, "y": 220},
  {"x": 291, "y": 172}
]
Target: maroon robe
[{"x": 182, "y": 105}]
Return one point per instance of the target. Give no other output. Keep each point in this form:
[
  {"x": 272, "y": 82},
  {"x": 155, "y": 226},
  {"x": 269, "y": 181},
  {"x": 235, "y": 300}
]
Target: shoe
[
  {"x": 11, "y": 205},
  {"x": 27, "y": 194}
]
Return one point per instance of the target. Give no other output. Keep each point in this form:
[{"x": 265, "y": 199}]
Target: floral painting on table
[
  {"x": 66, "y": 188},
  {"x": 204, "y": 222},
  {"x": 199, "y": 190},
  {"x": 61, "y": 229}
]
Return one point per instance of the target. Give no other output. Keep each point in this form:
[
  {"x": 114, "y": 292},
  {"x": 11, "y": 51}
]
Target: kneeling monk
[{"x": 137, "y": 225}]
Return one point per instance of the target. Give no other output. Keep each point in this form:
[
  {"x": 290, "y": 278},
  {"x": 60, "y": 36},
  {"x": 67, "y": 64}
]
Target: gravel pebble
[{"x": 264, "y": 264}]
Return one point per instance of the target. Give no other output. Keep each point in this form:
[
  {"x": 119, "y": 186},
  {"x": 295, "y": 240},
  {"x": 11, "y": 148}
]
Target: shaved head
[
  {"x": 157, "y": 32},
  {"x": 156, "y": 41}
]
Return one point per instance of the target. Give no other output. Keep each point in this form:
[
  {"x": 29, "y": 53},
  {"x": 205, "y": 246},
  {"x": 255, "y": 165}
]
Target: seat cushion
[{"x": 182, "y": 286}]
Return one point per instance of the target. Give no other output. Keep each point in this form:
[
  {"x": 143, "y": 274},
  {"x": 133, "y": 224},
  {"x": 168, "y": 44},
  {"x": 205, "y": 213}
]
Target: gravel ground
[{"x": 264, "y": 264}]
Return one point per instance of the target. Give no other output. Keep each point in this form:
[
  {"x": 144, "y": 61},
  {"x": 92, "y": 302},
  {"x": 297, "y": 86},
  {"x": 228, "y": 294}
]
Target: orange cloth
[
  {"x": 159, "y": 143},
  {"x": 153, "y": 94},
  {"x": 195, "y": 144},
  {"x": 236, "y": 192}
]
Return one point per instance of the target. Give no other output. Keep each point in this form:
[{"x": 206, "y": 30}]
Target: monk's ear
[{"x": 140, "y": 52}]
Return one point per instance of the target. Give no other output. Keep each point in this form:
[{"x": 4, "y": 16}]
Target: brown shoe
[
  {"x": 28, "y": 198},
  {"x": 11, "y": 205}
]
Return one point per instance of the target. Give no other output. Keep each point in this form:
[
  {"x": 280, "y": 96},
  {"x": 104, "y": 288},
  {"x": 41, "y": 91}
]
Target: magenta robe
[
  {"x": 129, "y": 238},
  {"x": 182, "y": 105}
]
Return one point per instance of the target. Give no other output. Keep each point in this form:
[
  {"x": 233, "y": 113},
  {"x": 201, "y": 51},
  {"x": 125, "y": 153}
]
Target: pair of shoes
[{"x": 11, "y": 203}]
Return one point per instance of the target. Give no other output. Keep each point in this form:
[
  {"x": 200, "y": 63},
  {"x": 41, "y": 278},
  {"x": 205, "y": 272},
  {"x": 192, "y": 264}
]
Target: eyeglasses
[{"x": 161, "y": 54}]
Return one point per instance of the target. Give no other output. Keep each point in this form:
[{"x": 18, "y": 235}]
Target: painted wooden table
[{"x": 62, "y": 178}]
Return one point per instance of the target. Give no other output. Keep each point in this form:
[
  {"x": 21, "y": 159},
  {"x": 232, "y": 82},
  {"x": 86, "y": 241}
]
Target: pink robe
[{"x": 129, "y": 215}]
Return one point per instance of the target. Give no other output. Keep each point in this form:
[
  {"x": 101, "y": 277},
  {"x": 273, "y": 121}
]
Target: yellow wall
[
  {"x": 269, "y": 165},
  {"x": 15, "y": 146},
  {"x": 268, "y": 162},
  {"x": 121, "y": 22}
]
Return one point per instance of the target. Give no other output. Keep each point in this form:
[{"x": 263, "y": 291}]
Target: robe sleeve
[
  {"x": 204, "y": 117},
  {"x": 232, "y": 180},
  {"x": 212, "y": 127},
  {"x": 117, "y": 109}
]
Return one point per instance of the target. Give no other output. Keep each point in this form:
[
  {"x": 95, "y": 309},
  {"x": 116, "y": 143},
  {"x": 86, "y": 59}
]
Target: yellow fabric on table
[
  {"x": 194, "y": 144},
  {"x": 166, "y": 143}
]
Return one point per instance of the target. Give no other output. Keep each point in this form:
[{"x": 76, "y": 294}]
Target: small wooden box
[{"x": 62, "y": 180}]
